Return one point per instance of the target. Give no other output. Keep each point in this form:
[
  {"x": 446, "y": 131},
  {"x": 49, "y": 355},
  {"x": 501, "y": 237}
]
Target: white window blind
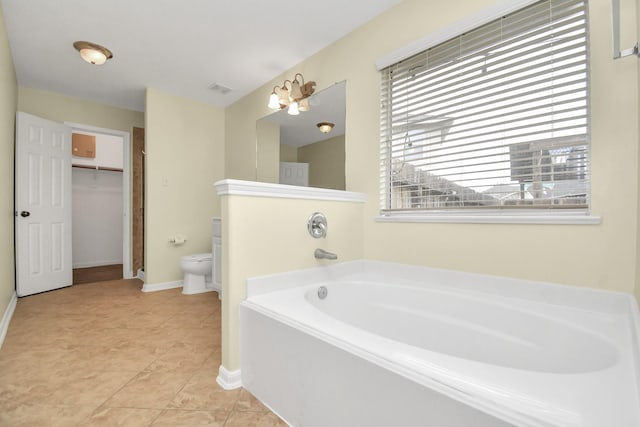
[{"x": 496, "y": 118}]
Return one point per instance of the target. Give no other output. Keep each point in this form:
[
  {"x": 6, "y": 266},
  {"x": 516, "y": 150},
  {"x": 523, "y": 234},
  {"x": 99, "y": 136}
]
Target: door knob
[{"x": 25, "y": 214}]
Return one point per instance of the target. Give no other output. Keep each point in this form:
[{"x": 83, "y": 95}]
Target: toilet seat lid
[{"x": 198, "y": 257}]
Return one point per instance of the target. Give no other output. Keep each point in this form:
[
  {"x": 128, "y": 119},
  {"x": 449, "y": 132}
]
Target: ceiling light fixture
[
  {"x": 325, "y": 127},
  {"x": 293, "y": 96},
  {"x": 93, "y": 53}
]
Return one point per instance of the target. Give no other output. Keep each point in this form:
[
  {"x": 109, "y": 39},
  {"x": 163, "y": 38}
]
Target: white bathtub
[{"x": 395, "y": 345}]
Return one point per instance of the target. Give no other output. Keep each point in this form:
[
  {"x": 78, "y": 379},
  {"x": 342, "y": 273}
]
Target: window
[{"x": 496, "y": 118}]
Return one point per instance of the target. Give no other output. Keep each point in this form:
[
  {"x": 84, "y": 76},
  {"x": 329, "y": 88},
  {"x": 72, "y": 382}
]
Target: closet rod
[{"x": 97, "y": 168}]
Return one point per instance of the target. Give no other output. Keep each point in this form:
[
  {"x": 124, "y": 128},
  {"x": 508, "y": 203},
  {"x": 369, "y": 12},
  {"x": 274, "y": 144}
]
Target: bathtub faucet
[{"x": 322, "y": 254}]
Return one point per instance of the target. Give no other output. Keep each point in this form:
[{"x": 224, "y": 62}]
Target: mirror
[{"x": 290, "y": 147}]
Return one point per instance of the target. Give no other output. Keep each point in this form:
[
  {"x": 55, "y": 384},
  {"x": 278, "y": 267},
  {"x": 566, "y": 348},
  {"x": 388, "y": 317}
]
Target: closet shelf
[{"x": 98, "y": 168}]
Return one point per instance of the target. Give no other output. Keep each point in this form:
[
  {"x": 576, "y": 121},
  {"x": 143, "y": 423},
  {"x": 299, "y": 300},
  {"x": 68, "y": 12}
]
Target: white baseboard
[
  {"x": 161, "y": 286},
  {"x": 140, "y": 274},
  {"x": 198, "y": 292},
  {"x": 229, "y": 380},
  {"x": 96, "y": 264},
  {"x": 6, "y": 318}
]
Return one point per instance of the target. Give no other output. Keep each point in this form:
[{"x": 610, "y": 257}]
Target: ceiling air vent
[{"x": 216, "y": 87}]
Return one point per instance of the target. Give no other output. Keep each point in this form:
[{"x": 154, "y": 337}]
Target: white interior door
[
  {"x": 292, "y": 173},
  {"x": 43, "y": 205}
]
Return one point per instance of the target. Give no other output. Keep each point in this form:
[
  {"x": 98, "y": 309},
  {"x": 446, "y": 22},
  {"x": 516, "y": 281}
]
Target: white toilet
[{"x": 197, "y": 271}]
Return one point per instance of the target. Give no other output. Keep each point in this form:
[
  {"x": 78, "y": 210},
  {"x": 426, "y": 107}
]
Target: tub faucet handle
[{"x": 317, "y": 225}]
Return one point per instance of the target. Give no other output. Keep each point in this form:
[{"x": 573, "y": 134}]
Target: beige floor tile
[
  {"x": 121, "y": 417},
  {"x": 88, "y": 389},
  {"x": 202, "y": 337},
  {"x": 37, "y": 415},
  {"x": 199, "y": 318},
  {"x": 109, "y": 354},
  {"x": 103, "y": 358},
  {"x": 177, "y": 363},
  {"x": 247, "y": 403},
  {"x": 109, "y": 337},
  {"x": 189, "y": 356},
  {"x": 24, "y": 392},
  {"x": 123, "y": 320},
  {"x": 30, "y": 386},
  {"x": 27, "y": 360},
  {"x": 205, "y": 396},
  {"x": 57, "y": 341},
  {"x": 174, "y": 417},
  {"x": 148, "y": 390},
  {"x": 208, "y": 372},
  {"x": 254, "y": 419},
  {"x": 165, "y": 335},
  {"x": 133, "y": 357}
]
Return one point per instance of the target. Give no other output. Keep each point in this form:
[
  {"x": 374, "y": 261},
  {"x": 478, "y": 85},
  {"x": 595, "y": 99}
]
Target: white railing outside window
[{"x": 495, "y": 119}]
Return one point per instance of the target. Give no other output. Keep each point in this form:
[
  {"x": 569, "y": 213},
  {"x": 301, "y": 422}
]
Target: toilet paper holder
[{"x": 178, "y": 239}]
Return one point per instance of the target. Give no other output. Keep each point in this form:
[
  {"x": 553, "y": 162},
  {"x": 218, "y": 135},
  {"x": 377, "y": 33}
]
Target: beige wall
[
  {"x": 8, "y": 104},
  {"x": 268, "y": 157},
  {"x": 326, "y": 163},
  {"x": 63, "y": 108},
  {"x": 288, "y": 153},
  {"x": 601, "y": 256},
  {"x": 240, "y": 137},
  {"x": 325, "y": 158},
  {"x": 185, "y": 156},
  {"x": 276, "y": 241}
]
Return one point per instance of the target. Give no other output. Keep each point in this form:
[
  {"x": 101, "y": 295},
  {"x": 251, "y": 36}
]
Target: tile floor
[{"x": 107, "y": 354}]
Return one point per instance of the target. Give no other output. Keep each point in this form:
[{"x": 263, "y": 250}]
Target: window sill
[{"x": 492, "y": 218}]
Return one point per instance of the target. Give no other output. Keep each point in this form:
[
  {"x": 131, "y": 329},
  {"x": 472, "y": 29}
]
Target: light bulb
[
  {"x": 293, "y": 109},
  {"x": 93, "y": 56},
  {"x": 92, "y": 53},
  {"x": 325, "y": 127},
  {"x": 273, "y": 101}
]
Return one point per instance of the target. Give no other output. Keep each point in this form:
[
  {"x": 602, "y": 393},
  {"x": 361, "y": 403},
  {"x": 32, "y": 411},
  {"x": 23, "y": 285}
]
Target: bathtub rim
[{"x": 552, "y": 293}]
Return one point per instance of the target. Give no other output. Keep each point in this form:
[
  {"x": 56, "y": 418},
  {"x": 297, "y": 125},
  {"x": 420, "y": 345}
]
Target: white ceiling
[{"x": 179, "y": 46}]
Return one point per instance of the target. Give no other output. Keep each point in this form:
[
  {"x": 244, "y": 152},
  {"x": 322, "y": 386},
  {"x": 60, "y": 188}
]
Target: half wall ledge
[{"x": 264, "y": 189}]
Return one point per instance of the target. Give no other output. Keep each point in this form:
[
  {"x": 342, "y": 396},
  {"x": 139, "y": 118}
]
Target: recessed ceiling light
[{"x": 93, "y": 53}]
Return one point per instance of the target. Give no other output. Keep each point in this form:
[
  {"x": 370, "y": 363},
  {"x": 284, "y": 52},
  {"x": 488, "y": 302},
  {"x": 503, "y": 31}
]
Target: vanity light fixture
[
  {"x": 325, "y": 127},
  {"x": 93, "y": 53},
  {"x": 294, "y": 95}
]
